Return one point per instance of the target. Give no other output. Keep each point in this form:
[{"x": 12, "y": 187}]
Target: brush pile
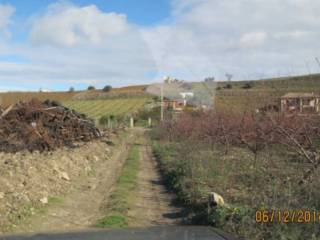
[{"x": 43, "y": 126}]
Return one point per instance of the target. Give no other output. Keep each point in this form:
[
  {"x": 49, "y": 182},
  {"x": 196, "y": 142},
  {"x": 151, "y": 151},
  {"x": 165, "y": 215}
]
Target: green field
[{"x": 98, "y": 108}]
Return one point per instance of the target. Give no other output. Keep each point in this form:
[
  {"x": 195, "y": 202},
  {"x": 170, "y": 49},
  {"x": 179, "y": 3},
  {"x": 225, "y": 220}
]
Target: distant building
[
  {"x": 187, "y": 94},
  {"x": 176, "y": 105},
  {"x": 44, "y": 90},
  {"x": 303, "y": 103},
  {"x": 179, "y": 103}
]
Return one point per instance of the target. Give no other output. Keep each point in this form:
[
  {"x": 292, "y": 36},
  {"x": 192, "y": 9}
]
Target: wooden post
[
  {"x": 131, "y": 122},
  {"x": 109, "y": 122},
  {"x": 149, "y": 122},
  {"x": 161, "y": 117}
]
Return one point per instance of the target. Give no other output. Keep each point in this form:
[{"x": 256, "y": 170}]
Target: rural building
[
  {"x": 304, "y": 103},
  {"x": 170, "y": 80},
  {"x": 176, "y": 105},
  {"x": 185, "y": 95}
]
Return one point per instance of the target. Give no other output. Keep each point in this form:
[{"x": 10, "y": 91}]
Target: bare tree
[{"x": 229, "y": 76}]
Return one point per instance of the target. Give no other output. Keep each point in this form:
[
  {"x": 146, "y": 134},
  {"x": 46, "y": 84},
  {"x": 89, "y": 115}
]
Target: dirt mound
[{"x": 42, "y": 126}]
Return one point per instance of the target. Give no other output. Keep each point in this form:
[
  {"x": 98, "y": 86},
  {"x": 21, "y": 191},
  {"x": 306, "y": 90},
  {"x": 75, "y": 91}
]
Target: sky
[{"x": 53, "y": 44}]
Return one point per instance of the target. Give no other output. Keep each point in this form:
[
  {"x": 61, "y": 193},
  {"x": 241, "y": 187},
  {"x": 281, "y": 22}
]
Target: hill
[
  {"x": 8, "y": 98},
  {"x": 238, "y": 95}
]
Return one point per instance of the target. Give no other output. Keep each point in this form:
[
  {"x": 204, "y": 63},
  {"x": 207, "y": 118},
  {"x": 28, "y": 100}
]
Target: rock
[
  {"x": 64, "y": 176},
  {"x": 92, "y": 187},
  {"x": 215, "y": 199},
  {"x": 2, "y": 195},
  {"x": 44, "y": 200},
  {"x": 96, "y": 158}
]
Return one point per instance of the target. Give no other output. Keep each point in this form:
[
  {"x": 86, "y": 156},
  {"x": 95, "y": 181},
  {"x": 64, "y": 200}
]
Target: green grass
[
  {"x": 55, "y": 200},
  {"x": 123, "y": 195},
  {"x": 98, "y": 108},
  {"x": 115, "y": 221}
]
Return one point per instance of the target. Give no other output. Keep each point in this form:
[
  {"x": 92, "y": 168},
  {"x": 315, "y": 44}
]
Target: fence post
[
  {"x": 131, "y": 122},
  {"x": 109, "y": 122},
  {"x": 149, "y": 122}
]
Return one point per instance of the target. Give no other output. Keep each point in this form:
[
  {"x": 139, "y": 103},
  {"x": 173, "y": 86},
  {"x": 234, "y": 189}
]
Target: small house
[
  {"x": 303, "y": 103},
  {"x": 176, "y": 105}
]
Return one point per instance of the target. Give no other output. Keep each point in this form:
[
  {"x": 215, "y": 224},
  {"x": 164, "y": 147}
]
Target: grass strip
[{"x": 123, "y": 195}]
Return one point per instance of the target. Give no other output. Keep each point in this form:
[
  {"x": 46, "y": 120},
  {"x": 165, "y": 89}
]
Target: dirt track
[
  {"x": 153, "y": 204},
  {"x": 82, "y": 207}
]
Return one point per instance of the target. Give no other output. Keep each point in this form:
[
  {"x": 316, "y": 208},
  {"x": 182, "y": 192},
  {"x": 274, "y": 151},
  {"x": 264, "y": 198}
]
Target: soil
[
  {"x": 29, "y": 180},
  {"x": 154, "y": 205},
  {"x": 81, "y": 207},
  {"x": 91, "y": 171}
]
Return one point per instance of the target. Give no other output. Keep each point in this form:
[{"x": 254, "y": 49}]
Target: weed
[
  {"x": 55, "y": 200},
  {"x": 113, "y": 221},
  {"x": 123, "y": 195}
]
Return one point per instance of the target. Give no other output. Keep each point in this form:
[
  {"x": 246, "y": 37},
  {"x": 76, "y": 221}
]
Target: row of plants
[{"x": 254, "y": 161}]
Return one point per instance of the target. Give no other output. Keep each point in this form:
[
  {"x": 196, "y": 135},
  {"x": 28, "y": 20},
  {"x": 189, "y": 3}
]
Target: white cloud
[
  {"x": 253, "y": 39},
  {"x": 293, "y": 34},
  {"x": 6, "y": 12},
  {"x": 78, "y": 46},
  {"x": 250, "y": 38},
  {"x": 69, "y": 44},
  {"x": 69, "y": 25}
]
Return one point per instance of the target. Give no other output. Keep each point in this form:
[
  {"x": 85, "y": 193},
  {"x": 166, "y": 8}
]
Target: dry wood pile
[{"x": 42, "y": 126}]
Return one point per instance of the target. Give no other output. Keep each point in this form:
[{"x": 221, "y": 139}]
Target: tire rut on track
[{"x": 154, "y": 205}]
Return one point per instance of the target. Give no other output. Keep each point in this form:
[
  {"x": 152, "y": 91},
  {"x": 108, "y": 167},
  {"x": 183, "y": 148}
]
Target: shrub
[
  {"x": 71, "y": 89},
  {"x": 107, "y": 88},
  {"x": 247, "y": 86},
  {"x": 91, "y": 88},
  {"x": 228, "y": 86},
  {"x": 115, "y": 121}
]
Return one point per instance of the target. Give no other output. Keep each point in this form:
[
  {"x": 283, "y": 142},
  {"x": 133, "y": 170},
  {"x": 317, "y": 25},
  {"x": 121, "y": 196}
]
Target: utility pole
[
  {"x": 161, "y": 96},
  {"x": 317, "y": 60}
]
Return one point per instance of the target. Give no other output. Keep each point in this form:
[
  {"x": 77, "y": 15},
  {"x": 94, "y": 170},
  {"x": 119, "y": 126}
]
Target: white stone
[
  {"x": 44, "y": 200},
  {"x": 64, "y": 176},
  {"x": 216, "y": 198}
]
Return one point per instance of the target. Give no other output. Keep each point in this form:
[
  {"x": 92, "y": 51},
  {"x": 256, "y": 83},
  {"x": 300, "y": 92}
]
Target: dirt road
[
  {"x": 154, "y": 205},
  {"x": 82, "y": 207}
]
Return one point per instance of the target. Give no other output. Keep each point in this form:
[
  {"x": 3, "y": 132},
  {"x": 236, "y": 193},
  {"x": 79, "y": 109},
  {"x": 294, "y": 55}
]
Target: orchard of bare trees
[{"x": 254, "y": 160}]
